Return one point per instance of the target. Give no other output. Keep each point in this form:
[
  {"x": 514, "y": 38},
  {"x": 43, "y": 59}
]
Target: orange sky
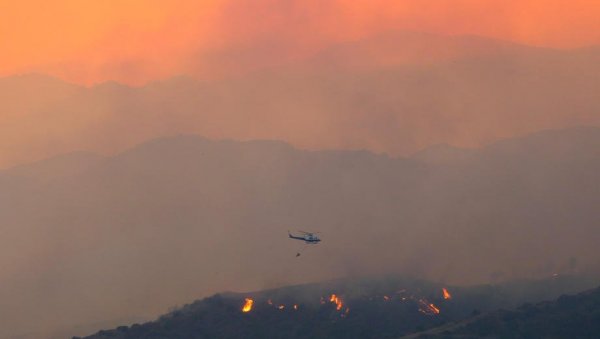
[{"x": 136, "y": 41}]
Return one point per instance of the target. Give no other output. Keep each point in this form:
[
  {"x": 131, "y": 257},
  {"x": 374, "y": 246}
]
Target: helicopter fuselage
[{"x": 308, "y": 238}]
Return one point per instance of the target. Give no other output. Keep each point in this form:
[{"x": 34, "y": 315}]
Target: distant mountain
[
  {"x": 352, "y": 308},
  {"x": 172, "y": 219},
  {"x": 444, "y": 154},
  {"x": 397, "y": 93},
  {"x": 56, "y": 167},
  {"x": 570, "y": 316}
]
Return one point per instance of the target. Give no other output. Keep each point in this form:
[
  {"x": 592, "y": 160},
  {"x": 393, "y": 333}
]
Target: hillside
[
  {"x": 351, "y": 308},
  {"x": 569, "y": 316}
]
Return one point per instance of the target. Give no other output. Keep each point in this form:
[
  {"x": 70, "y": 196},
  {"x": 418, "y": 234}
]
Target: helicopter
[{"x": 308, "y": 237}]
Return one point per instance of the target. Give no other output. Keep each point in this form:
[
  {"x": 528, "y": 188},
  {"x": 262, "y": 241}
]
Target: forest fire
[
  {"x": 447, "y": 295},
  {"x": 337, "y": 301},
  {"x": 424, "y": 305},
  {"x": 247, "y": 305}
]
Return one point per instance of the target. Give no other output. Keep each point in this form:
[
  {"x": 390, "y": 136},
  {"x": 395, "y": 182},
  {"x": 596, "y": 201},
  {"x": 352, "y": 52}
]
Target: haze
[
  {"x": 135, "y": 41},
  {"x": 153, "y": 153}
]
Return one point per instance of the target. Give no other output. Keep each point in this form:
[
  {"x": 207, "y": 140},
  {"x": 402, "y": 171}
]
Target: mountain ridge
[{"x": 453, "y": 101}]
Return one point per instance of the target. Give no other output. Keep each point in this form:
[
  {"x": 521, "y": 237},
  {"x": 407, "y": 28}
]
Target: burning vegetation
[
  {"x": 428, "y": 308},
  {"x": 365, "y": 310},
  {"x": 422, "y": 304},
  {"x": 334, "y": 299},
  {"x": 247, "y": 305},
  {"x": 339, "y": 304}
]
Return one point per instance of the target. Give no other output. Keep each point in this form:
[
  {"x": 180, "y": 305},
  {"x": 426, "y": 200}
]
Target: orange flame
[
  {"x": 447, "y": 294},
  {"x": 281, "y": 307},
  {"x": 386, "y": 298},
  {"x": 434, "y": 309},
  {"x": 247, "y": 305},
  {"x": 337, "y": 301},
  {"x": 295, "y": 307},
  {"x": 428, "y": 308}
]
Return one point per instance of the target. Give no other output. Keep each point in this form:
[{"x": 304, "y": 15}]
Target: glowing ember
[
  {"x": 247, "y": 305},
  {"x": 270, "y": 302},
  {"x": 337, "y": 301},
  {"x": 428, "y": 308},
  {"x": 386, "y": 298},
  {"x": 296, "y": 307},
  {"x": 281, "y": 307},
  {"x": 447, "y": 294}
]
